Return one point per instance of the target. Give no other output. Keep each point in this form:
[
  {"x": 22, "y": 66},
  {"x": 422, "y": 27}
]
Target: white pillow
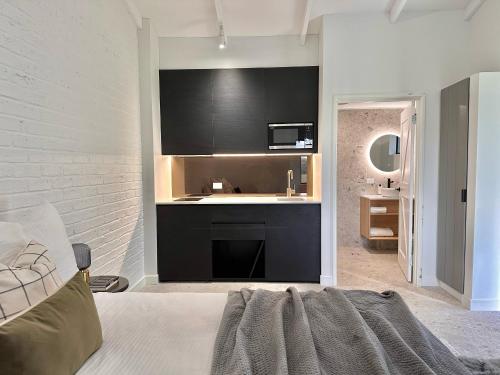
[
  {"x": 44, "y": 225},
  {"x": 31, "y": 278},
  {"x": 12, "y": 241}
]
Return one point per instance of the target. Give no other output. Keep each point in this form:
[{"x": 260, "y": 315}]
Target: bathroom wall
[
  {"x": 263, "y": 175},
  {"x": 356, "y": 132}
]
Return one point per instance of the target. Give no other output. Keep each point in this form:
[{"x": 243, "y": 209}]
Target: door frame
[{"x": 419, "y": 180}]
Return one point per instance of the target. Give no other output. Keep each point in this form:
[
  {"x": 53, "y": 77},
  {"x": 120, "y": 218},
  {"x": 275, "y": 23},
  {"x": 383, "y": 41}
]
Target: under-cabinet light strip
[{"x": 240, "y": 155}]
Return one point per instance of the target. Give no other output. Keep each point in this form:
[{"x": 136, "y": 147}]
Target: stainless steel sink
[{"x": 291, "y": 199}]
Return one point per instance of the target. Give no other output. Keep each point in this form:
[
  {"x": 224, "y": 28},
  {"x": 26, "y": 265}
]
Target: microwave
[{"x": 296, "y": 136}]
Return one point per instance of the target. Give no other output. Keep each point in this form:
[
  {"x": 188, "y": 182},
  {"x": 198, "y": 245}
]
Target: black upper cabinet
[
  {"x": 292, "y": 94},
  {"x": 186, "y": 106},
  {"x": 239, "y": 99},
  {"x": 227, "y": 110}
]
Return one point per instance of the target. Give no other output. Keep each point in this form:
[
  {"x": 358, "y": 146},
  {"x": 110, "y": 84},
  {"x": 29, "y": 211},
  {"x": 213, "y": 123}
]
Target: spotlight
[{"x": 222, "y": 38}]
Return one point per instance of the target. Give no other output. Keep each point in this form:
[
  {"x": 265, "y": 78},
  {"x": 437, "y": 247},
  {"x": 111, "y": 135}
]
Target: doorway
[{"x": 378, "y": 192}]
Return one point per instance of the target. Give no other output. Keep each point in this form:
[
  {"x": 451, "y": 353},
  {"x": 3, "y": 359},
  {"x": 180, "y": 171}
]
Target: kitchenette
[{"x": 240, "y": 150}]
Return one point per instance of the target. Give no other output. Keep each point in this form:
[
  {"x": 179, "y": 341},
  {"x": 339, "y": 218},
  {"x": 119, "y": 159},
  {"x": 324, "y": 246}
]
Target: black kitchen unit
[
  {"x": 253, "y": 242},
  {"x": 208, "y": 111}
]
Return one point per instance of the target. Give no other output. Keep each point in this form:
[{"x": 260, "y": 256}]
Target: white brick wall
[{"x": 69, "y": 122}]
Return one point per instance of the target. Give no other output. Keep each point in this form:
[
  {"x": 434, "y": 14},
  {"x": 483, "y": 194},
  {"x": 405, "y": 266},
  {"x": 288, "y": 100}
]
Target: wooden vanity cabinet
[{"x": 368, "y": 220}]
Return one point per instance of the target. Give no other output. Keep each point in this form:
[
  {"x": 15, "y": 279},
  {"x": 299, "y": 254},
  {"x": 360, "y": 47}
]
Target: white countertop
[
  {"x": 375, "y": 197},
  {"x": 243, "y": 199}
]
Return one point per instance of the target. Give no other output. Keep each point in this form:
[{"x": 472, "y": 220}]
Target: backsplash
[
  {"x": 248, "y": 175},
  {"x": 356, "y": 130}
]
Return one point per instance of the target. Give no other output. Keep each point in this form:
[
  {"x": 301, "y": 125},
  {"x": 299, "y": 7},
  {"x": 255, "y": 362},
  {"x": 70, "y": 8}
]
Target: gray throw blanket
[{"x": 328, "y": 332}]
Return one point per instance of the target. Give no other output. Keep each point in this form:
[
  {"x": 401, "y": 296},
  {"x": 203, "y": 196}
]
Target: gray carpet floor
[{"x": 467, "y": 333}]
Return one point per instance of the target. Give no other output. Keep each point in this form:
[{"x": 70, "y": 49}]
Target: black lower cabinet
[
  {"x": 239, "y": 242},
  {"x": 294, "y": 235},
  {"x": 183, "y": 240}
]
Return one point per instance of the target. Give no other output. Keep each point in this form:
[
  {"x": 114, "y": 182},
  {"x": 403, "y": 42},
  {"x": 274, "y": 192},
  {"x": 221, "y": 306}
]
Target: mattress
[{"x": 156, "y": 333}]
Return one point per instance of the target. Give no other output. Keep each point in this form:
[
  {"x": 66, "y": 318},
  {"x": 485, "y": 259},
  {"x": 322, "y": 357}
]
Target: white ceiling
[{"x": 197, "y": 18}]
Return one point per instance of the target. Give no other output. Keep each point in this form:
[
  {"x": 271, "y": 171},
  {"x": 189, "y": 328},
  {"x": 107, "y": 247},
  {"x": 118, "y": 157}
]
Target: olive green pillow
[{"x": 54, "y": 337}]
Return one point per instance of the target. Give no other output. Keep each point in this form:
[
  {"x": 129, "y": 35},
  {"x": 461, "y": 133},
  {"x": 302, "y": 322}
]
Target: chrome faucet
[{"x": 289, "y": 190}]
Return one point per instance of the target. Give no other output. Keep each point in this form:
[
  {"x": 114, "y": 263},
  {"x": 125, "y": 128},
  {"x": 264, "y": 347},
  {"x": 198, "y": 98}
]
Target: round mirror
[{"x": 384, "y": 153}]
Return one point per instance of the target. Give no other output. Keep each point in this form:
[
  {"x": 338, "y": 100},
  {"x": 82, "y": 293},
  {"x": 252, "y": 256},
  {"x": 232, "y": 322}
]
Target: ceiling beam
[
  {"x": 220, "y": 19},
  {"x": 472, "y": 8},
  {"x": 134, "y": 12},
  {"x": 305, "y": 24},
  {"x": 396, "y": 10}
]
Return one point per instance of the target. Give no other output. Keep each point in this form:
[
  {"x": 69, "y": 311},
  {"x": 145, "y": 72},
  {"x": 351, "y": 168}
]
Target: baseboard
[
  {"x": 452, "y": 292},
  {"x": 145, "y": 280},
  {"x": 326, "y": 280},
  {"x": 428, "y": 281},
  {"x": 151, "y": 279},
  {"x": 486, "y": 304},
  {"x": 137, "y": 285},
  {"x": 479, "y": 304}
]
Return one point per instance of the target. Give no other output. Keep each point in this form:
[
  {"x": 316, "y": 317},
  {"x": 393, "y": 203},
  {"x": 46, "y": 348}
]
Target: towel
[
  {"x": 378, "y": 210},
  {"x": 381, "y": 232}
]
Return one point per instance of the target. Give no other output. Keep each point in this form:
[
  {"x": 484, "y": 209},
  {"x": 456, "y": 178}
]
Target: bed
[
  {"x": 177, "y": 333},
  {"x": 156, "y": 333}
]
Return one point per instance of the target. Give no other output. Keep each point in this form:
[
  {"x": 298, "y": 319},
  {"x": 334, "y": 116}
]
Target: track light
[{"x": 222, "y": 38}]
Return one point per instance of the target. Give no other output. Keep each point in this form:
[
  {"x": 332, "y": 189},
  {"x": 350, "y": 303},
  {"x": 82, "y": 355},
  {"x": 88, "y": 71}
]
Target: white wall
[
  {"x": 365, "y": 55},
  {"x": 241, "y": 52},
  {"x": 485, "y": 289},
  {"x": 485, "y": 30},
  {"x": 327, "y": 146},
  {"x": 482, "y": 281},
  {"x": 69, "y": 123},
  {"x": 149, "y": 63}
]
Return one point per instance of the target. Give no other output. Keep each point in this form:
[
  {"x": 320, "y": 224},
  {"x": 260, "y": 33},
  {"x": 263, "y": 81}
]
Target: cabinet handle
[{"x": 464, "y": 195}]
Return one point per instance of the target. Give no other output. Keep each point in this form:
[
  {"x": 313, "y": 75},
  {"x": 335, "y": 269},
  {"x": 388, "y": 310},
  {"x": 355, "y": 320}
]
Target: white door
[{"x": 406, "y": 196}]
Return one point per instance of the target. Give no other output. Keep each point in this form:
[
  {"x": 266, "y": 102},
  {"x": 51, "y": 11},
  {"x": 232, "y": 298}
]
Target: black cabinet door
[
  {"x": 293, "y": 240},
  {"x": 186, "y": 112},
  {"x": 292, "y": 94},
  {"x": 184, "y": 246},
  {"x": 239, "y": 98}
]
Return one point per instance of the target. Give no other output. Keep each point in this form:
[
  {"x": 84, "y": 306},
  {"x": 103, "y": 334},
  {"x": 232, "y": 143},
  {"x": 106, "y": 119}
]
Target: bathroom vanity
[{"x": 379, "y": 217}]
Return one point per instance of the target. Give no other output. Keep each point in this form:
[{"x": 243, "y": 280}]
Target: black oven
[{"x": 291, "y": 136}]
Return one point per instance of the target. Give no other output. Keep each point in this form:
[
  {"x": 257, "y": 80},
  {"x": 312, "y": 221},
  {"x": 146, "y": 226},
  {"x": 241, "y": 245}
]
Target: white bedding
[{"x": 156, "y": 333}]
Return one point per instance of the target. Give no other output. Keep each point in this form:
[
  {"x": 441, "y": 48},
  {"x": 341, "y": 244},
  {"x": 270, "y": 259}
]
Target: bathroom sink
[
  {"x": 389, "y": 192},
  {"x": 290, "y": 199}
]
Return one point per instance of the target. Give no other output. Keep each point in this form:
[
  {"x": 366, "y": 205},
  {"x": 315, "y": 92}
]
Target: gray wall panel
[{"x": 452, "y": 179}]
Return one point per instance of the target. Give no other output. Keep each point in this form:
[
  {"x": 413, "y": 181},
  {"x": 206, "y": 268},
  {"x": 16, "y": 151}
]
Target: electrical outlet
[
  {"x": 370, "y": 180},
  {"x": 217, "y": 185}
]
